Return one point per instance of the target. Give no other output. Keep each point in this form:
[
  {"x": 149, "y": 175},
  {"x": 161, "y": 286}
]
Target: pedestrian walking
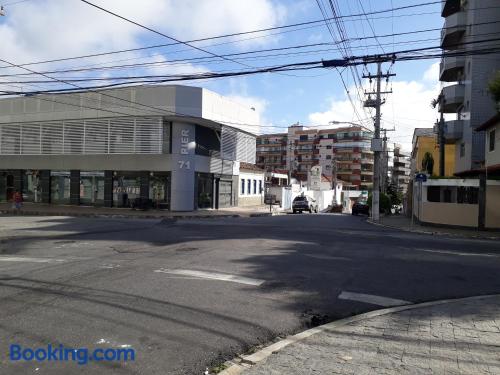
[{"x": 18, "y": 200}]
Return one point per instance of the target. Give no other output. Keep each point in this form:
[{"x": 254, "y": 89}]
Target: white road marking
[
  {"x": 325, "y": 257},
  {"x": 109, "y": 266},
  {"x": 213, "y": 276},
  {"x": 374, "y": 300},
  {"x": 31, "y": 260},
  {"x": 459, "y": 254}
]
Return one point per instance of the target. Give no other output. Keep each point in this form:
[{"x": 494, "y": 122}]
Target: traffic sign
[{"x": 421, "y": 177}]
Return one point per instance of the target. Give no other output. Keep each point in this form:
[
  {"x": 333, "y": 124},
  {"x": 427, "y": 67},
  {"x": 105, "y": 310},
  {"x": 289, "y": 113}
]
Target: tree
[
  {"x": 384, "y": 203},
  {"x": 428, "y": 163},
  {"x": 494, "y": 89},
  {"x": 395, "y": 196}
]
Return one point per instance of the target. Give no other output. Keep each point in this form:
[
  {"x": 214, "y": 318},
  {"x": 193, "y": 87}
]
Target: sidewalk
[
  {"x": 447, "y": 337},
  {"x": 404, "y": 223},
  {"x": 40, "y": 209}
]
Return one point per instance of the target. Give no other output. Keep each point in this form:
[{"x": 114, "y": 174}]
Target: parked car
[
  {"x": 304, "y": 203},
  {"x": 360, "y": 207}
]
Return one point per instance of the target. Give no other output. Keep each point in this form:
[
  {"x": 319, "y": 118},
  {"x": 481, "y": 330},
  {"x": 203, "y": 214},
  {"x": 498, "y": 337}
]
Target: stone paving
[
  {"x": 453, "y": 338},
  {"x": 404, "y": 223},
  {"x": 40, "y": 209}
]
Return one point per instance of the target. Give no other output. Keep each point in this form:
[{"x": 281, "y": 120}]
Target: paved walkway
[
  {"x": 85, "y": 211},
  {"x": 404, "y": 223},
  {"x": 459, "y": 337}
]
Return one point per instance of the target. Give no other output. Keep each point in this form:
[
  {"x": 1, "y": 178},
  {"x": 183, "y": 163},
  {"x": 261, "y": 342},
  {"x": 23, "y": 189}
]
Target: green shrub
[{"x": 384, "y": 203}]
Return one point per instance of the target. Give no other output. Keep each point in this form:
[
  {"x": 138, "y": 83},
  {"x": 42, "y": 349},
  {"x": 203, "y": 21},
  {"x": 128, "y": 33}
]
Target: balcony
[
  {"x": 449, "y": 7},
  {"x": 453, "y": 98},
  {"x": 451, "y": 68},
  {"x": 453, "y": 130},
  {"x": 453, "y": 30}
]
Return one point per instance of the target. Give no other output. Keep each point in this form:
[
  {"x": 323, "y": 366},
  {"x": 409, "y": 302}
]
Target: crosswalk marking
[
  {"x": 372, "y": 299},
  {"x": 30, "y": 260},
  {"x": 212, "y": 276}
]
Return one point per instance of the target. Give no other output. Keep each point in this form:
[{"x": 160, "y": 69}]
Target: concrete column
[
  {"x": 183, "y": 166},
  {"x": 144, "y": 186},
  {"x": 74, "y": 192},
  {"x": 108, "y": 188},
  {"x": 3, "y": 186},
  {"x": 18, "y": 179},
  {"x": 45, "y": 185}
]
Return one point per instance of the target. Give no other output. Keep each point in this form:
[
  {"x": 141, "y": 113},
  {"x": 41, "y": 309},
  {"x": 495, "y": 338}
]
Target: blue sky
[{"x": 34, "y": 30}]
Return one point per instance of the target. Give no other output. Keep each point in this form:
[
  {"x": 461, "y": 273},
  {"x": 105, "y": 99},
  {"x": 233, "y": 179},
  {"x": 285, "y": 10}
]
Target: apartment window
[
  {"x": 328, "y": 147},
  {"x": 303, "y": 137},
  {"x": 260, "y": 186},
  {"x": 249, "y": 187},
  {"x": 242, "y": 186},
  {"x": 433, "y": 194},
  {"x": 328, "y": 157},
  {"x": 331, "y": 136},
  {"x": 491, "y": 140},
  {"x": 462, "y": 150},
  {"x": 255, "y": 186}
]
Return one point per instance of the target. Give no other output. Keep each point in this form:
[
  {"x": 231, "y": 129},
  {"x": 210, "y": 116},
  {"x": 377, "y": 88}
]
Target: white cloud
[
  {"x": 406, "y": 108},
  {"x": 49, "y": 29},
  {"x": 432, "y": 74}
]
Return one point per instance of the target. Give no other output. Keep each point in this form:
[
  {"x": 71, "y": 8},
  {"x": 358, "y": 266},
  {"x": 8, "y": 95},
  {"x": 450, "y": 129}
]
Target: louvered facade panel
[
  {"x": 73, "y": 137},
  {"x": 148, "y": 135},
  {"x": 52, "y": 137},
  {"x": 10, "y": 143},
  {"x": 122, "y": 136},
  {"x": 229, "y": 139},
  {"x": 31, "y": 139},
  {"x": 96, "y": 136},
  {"x": 126, "y": 135}
]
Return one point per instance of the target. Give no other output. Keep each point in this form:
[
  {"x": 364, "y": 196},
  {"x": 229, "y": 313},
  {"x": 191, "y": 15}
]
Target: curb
[
  {"x": 245, "y": 362},
  {"x": 437, "y": 233},
  {"x": 121, "y": 216}
]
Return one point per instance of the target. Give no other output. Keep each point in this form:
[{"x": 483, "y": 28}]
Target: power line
[
  {"x": 160, "y": 33},
  {"x": 233, "y": 34}
]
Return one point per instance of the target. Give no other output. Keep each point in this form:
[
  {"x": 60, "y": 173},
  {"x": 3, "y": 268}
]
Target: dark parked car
[
  {"x": 361, "y": 207},
  {"x": 304, "y": 203}
]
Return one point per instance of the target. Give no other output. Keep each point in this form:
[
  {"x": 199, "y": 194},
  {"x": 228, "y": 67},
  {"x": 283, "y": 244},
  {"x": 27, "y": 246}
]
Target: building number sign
[{"x": 183, "y": 164}]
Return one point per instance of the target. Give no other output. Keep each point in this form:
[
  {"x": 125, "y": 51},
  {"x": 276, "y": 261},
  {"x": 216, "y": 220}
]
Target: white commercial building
[{"x": 173, "y": 147}]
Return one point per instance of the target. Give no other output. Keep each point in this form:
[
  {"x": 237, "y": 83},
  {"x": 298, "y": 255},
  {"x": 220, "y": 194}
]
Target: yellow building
[{"x": 425, "y": 140}]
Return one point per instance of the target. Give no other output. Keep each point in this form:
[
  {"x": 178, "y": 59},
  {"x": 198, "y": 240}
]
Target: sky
[{"x": 38, "y": 30}]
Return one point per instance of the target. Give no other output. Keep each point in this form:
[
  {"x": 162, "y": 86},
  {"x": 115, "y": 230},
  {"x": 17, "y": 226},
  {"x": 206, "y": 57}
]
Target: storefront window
[
  {"x": 32, "y": 191},
  {"x": 205, "y": 190},
  {"x": 159, "y": 190},
  {"x": 59, "y": 187},
  {"x": 92, "y": 188},
  {"x": 125, "y": 190}
]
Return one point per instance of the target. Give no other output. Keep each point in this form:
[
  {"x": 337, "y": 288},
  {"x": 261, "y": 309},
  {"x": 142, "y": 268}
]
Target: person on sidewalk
[{"x": 18, "y": 200}]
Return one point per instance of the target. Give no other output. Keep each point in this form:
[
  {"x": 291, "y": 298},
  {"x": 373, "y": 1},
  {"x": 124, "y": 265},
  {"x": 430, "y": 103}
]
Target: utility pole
[
  {"x": 334, "y": 175},
  {"x": 377, "y": 146},
  {"x": 441, "y": 135}
]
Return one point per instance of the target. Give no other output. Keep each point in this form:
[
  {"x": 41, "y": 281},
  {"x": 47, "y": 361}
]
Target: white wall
[{"x": 258, "y": 177}]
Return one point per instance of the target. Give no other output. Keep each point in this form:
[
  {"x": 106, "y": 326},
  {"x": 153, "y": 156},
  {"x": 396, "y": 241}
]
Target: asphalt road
[{"x": 189, "y": 294}]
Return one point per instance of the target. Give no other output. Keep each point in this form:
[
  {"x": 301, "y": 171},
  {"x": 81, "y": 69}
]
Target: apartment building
[
  {"x": 400, "y": 175},
  {"x": 346, "y": 150},
  {"x": 271, "y": 152},
  {"x": 467, "y": 25}
]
